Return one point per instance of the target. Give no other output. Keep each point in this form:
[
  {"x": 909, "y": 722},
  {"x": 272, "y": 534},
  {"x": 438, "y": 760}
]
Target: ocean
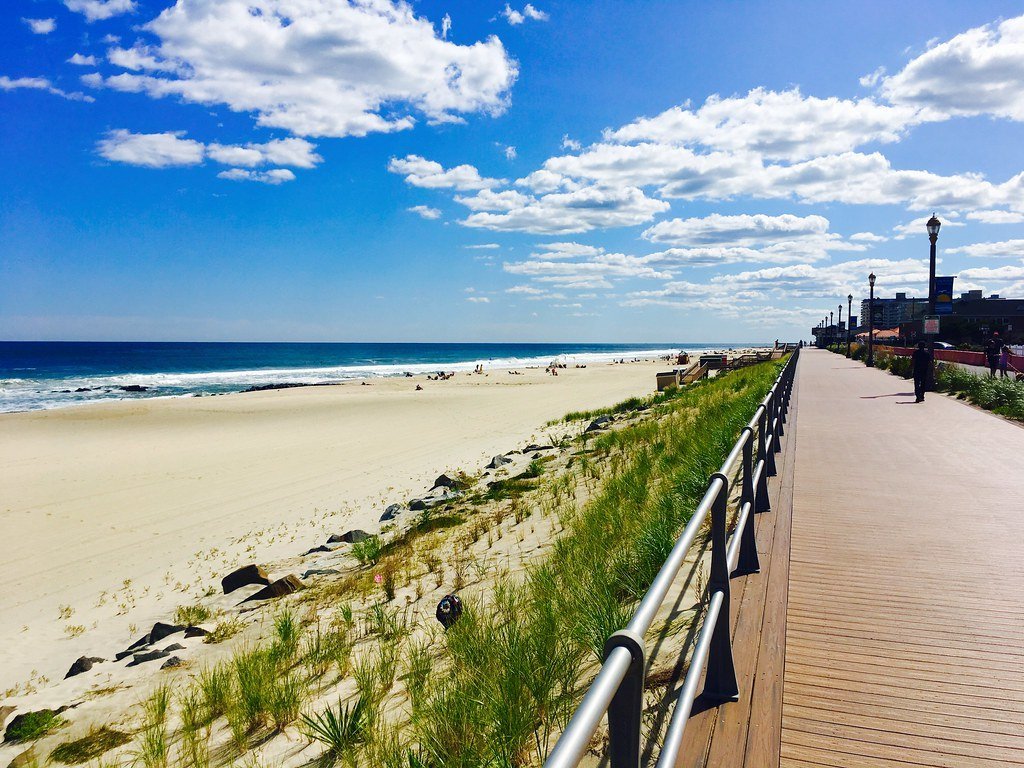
[{"x": 40, "y": 375}]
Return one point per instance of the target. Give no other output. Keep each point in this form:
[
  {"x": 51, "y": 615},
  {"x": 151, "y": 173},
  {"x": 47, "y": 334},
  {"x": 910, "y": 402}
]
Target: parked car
[{"x": 943, "y": 345}]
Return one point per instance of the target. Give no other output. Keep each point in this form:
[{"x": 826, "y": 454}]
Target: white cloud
[
  {"x": 571, "y": 144},
  {"x": 420, "y": 172},
  {"x": 741, "y": 230},
  {"x": 343, "y": 68},
  {"x": 980, "y": 71},
  {"x": 996, "y": 217},
  {"x": 510, "y": 153},
  {"x": 478, "y": 299},
  {"x": 98, "y": 10},
  {"x": 82, "y": 61},
  {"x": 297, "y": 153},
  {"x": 868, "y": 237},
  {"x": 482, "y": 247},
  {"x": 41, "y": 26},
  {"x": 526, "y": 290},
  {"x": 565, "y": 212},
  {"x": 872, "y": 79},
  {"x": 40, "y": 84},
  {"x": 152, "y": 150},
  {"x": 1004, "y": 249},
  {"x": 273, "y": 176},
  {"x": 425, "y": 211},
  {"x": 566, "y": 250},
  {"x": 773, "y": 124},
  {"x": 515, "y": 17},
  {"x": 446, "y": 26},
  {"x": 917, "y": 228},
  {"x": 163, "y": 150},
  {"x": 111, "y": 39},
  {"x": 489, "y": 200}
]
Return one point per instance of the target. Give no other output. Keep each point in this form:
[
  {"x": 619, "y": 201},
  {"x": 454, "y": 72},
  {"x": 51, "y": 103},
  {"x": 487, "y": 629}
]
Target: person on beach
[
  {"x": 922, "y": 364},
  {"x": 992, "y": 351}
]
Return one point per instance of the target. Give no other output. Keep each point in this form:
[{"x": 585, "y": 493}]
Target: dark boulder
[
  {"x": 249, "y": 574},
  {"x": 499, "y": 461},
  {"x": 134, "y": 388},
  {"x": 445, "y": 482},
  {"x": 171, "y": 663},
  {"x": 321, "y": 548},
  {"x": 319, "y": 572},
  {"x": 391, "y": 512},
  {"x": 349, "y": 537},
  {"x": 161, "y": 630},
  {"x": 417, "y": 505},
  {"x": 196, "y": 631},
  {"x": 601, "y": 422},
  {"x": 280, "y": 588},
  {"x": 142, "y": 658},
  {"x": 83, "y": 664},
  {"x": 174, "y": 647},
  {"x": 535, "y": 447}
]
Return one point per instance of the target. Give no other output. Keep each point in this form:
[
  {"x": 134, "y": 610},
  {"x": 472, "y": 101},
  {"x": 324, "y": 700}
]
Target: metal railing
[{"x": 618, "y": 687}]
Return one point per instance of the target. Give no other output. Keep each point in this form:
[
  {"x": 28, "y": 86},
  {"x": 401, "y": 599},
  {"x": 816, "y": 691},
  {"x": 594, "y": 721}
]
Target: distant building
[
  {"x": 990, "y": 314},
  {"x": 889, "y": 313}
]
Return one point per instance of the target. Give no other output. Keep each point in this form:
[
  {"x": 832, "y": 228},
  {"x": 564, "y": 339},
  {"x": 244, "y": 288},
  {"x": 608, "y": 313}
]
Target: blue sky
[{"x": 591, "y": 171}]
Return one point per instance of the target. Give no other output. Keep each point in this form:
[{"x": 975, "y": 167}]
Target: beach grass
[{"x": 97, "y": 742}]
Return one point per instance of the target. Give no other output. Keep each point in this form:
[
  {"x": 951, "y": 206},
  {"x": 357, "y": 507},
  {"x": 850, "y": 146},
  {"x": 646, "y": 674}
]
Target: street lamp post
[
  {"x": 840, "y": 326},
  {"x": 871, "y": 321},
  {"x": 849, "y": 315},
  {"x": 831, "y": 328},
  {"x": 932, "y": 225}
]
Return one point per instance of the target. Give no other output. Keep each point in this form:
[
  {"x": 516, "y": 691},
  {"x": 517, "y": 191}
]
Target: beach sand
[{"x": 113, "y": 514}]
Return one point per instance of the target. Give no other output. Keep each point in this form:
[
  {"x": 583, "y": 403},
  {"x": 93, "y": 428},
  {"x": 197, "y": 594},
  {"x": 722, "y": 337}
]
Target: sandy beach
[{"x": 113, "y": 514}]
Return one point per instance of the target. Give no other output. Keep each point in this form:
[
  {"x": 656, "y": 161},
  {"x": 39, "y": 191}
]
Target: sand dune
[{"x": 113, "y": 514}]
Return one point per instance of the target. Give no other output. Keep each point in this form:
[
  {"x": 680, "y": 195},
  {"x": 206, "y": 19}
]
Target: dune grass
[
  {"x": 89, "y": 747},
  {"x": 514, "y": 662}
]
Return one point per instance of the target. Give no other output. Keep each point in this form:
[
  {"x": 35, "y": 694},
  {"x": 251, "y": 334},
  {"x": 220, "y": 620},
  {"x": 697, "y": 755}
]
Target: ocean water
[{"x": 39, "y": 375}]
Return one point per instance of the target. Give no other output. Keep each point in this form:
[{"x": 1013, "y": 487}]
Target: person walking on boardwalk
[
  {"x": 1004, "y": 360},
  {"x": 922, "y": 364},
  {"x": 992, "y": 351}
]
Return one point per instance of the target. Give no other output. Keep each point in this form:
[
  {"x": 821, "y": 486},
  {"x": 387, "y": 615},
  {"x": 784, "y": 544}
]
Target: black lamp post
[
  {"x": 849, "y": 315},
  {"x": 871, "y": 322},
  {"x": 831, "y": 327},
  {"x": 932, "y": 225},
  {"x": 840, "y": 326}
]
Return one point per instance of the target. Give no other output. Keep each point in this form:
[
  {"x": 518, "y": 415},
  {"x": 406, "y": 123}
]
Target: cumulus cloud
[
  {"x": 420, "y": 172},
  {"x": 478, "y": 299},
  {"x": 868, "y": 237},
  {"x": 980, "y": 71},
  {"x": 1000, "y": 250},
  {"x": 917, "y": 227},
  {"x": 571, "y": 144},
  {"x": 152, "y": 150},
  {"x": 82, "y": 61},
  {"x": 41, "y": 26},
  {"x": 446, "y": 26},
  {"x": 425, "y": 211},
  {"x": 996, "y": 217},
  {"x": 743, "y": 229},
  {"x": 514, "y": 17},
  {"x": 342, "y": 68},
  {"x": 40, "y": 84},
  {"x": 773, "y": 124},
  {"x": 510, "y": 153},
  {"x": 98, "y": 10},
  {"x": 565, "y": 212},
  {"x": 273, "y": 176},
  {"x": 163, "y": 150}
]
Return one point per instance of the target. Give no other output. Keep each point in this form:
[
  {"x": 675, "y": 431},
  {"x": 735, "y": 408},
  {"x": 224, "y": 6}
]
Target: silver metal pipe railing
[{"x": 619, "y": 685}]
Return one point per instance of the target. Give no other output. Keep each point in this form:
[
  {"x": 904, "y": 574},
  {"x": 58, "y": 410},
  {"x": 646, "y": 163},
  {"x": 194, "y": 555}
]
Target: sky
[{"x": 373, "y": 170}]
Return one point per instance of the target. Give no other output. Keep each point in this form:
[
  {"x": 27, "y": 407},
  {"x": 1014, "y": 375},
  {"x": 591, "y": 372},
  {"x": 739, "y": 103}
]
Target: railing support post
[
  {"x": 626, "y": 709},
  {"x": 769, "y": 436},
  {"x": 720, "y": 680},
  {"x": 748, "y": 561}
]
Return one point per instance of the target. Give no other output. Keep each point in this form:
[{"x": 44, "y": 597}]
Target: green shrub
[
  {"x": 90, "y": 746},
  {"x": 191, "y": 614},
  {"x": 368, "y": 551},
  {"x": 32, "y": 725}
]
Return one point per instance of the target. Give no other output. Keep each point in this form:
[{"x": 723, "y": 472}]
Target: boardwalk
[{"x": 888, "y": 626}]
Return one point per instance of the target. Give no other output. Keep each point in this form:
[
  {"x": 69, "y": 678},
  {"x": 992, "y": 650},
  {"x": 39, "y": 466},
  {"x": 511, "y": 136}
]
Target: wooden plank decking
[{"x": 887, "y": 625}]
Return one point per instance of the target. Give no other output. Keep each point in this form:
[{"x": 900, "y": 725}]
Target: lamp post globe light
[
  {"x": 849, "y": 316},
  {"x": 871, "y": 321}
]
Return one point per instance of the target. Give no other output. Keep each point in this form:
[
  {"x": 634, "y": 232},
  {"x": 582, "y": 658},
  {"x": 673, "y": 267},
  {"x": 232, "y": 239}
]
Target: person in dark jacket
[
  {"x": 922, "y": 364},
  {"x": 992, "y": 350}
]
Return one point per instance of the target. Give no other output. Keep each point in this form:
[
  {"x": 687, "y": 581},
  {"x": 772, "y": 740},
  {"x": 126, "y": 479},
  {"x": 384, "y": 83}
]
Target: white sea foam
[{"x": 24, "y": 394}]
